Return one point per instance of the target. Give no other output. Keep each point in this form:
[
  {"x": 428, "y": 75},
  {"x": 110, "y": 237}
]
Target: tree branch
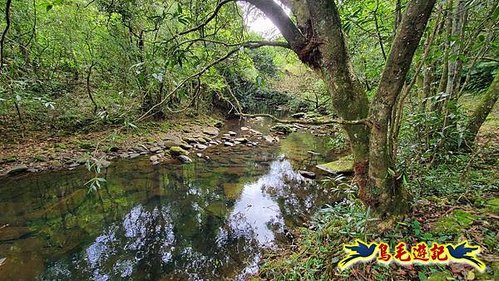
[
  {"x": 203, "y": 24},
  {"x": 247, "y": 43},
  {"x": 289, "y": 30},
  {"x": 250, "y": 45}
]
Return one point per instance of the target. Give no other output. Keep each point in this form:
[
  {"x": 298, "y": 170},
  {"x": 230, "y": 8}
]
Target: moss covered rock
[
  {"x": 177, "y": 150},
  {"x": 342, "y": 165},
  {"x": 283, "y": 128}
]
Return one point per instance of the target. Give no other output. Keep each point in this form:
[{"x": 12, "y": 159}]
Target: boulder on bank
[
  {"x": 184, "y": 146},
  {"x": 343, "y": 165}
]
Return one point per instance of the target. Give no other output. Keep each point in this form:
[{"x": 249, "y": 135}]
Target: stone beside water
[
  {"x": 184, "y": 159},
  {"x": 342, "y": 165},
  {"x": 177, "y": 150}
]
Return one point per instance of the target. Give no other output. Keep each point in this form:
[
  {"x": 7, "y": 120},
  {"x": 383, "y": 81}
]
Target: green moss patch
[
  {"x": 454, "y": 223},
  {"x": 493, "y": 206}
]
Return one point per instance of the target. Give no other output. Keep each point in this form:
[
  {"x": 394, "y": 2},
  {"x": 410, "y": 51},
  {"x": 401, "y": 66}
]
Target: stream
[{"x": 208, "y": 220}]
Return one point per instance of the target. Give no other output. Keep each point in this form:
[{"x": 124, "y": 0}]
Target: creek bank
[
  {"x": 165, "y": 144},
  {"x": 41, "y": 152}
]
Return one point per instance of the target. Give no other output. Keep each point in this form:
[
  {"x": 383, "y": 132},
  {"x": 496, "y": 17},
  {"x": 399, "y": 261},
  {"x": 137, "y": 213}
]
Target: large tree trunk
[
  {"x": 480, "y": 114},
  {"x": 384, "y": 190},
  {"x": 348, "y": 96}
]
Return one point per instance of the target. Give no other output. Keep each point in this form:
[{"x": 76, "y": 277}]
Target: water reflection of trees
[
  {"x": 174, "y": 230},
  {"x": 176, "y": 222}
]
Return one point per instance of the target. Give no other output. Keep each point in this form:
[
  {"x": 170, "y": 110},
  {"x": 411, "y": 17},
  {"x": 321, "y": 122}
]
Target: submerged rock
[{"x": 13, "y": 232}]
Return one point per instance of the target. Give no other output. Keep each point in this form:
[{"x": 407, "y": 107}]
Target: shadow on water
[{"x": 203, "y": 221}]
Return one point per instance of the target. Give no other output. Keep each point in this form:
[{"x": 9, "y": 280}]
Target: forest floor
[
  {"x": 453, "y": 201},
  {"x": 39, "y": 150}
]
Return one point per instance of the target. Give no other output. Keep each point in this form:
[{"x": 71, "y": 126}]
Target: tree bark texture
[{"x": 384, "y": 190}]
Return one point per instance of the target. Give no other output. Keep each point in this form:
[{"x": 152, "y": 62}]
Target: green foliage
[
  {"x": 128, "y": 56},
  {"x": 252, "y": 96},
  {"x": 481, "y": 76},
  {"x": 95, "y": 166}
]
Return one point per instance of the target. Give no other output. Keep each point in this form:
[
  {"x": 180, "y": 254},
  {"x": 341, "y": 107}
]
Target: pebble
[
  {"x": 185, "y": 146},
  {"x": 155, "y": 149},
  {"x": 133, "y": 155},
  {"x": 184, "y": 159},
  {"x": 200, "y": 146}
]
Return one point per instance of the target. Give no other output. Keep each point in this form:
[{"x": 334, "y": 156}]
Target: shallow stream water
[{"x": 208, "y": 220}]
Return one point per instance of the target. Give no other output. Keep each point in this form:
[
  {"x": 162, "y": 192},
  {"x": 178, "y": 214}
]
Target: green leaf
[
  {"x": 49, "y": 7},
  {"x": 422, "y": 276}
]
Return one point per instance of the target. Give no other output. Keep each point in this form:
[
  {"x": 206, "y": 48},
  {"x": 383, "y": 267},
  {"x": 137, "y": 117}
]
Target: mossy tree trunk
[
  {"x": 319, "y": 42},
  {"x": 482, "y": 111},
  {"x": 385, "y": 191}
]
